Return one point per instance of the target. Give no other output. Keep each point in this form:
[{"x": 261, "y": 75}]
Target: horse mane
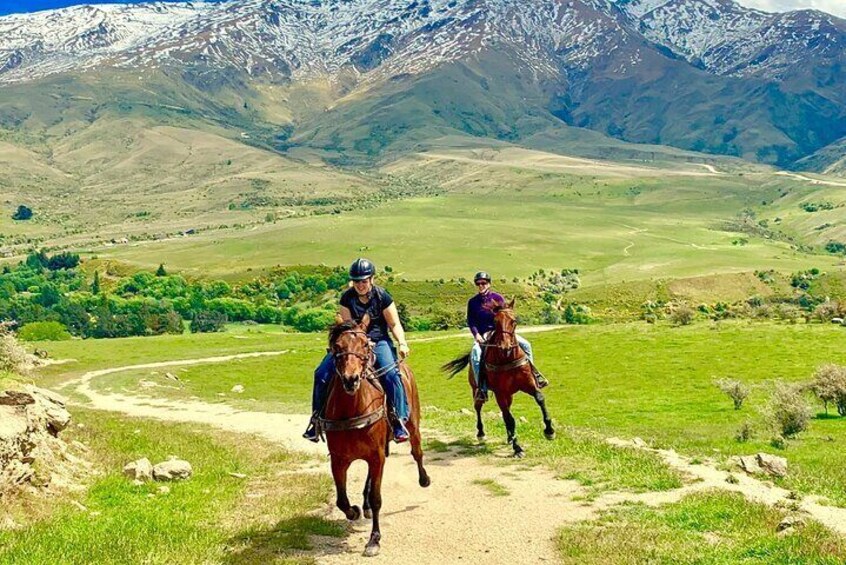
[{"x": 336, "y": 330}]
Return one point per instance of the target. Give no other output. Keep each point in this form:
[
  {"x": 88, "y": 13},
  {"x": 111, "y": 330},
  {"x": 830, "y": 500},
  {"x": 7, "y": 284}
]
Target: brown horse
[
  {"x": 356, "y": 422},
  {"x": 507, "y": 370}
]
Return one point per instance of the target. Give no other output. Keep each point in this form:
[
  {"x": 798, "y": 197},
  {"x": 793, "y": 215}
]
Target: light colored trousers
[{"x": 476, "y": 354}]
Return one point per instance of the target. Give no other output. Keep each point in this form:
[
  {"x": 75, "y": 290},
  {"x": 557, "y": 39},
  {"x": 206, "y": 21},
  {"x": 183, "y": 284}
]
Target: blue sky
[{"x": 837, "y": 7}]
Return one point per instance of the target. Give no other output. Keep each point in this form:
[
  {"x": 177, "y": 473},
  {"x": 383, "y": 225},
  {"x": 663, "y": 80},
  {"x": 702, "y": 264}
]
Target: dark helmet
[
  {"x": 362, "y": 269},
  {"x": 481, "y": 276}
]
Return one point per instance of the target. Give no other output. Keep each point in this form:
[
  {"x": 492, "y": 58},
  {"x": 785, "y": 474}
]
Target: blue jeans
[
  {"x": 386, "y": 355},
  {"x": 476, "y": 355}
]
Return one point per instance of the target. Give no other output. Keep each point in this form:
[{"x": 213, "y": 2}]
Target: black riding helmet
[
  {"x": 482, "y": 276},
  {"x": 362, "y": 269}
]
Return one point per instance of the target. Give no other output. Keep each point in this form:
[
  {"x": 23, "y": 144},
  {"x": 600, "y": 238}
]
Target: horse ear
[
  {"x": 511, "y": 304},
  {"x": 365, "y": 322},
  {"x": 338, "y": 320}
]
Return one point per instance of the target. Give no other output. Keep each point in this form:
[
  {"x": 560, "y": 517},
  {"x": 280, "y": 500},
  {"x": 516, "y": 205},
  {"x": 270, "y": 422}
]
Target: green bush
[
  {"x": 44, "y": 331},
  {"x": 208, "y": 321},
  {"x": 577, "y": 314}
]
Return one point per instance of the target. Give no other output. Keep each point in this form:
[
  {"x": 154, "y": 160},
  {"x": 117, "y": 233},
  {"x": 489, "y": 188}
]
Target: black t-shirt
[{"x": 379, "y": 300}]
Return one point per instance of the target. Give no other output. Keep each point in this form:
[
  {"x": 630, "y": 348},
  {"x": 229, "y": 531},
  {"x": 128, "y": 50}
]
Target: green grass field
[
  {"x": 704, "y": 529},
  {"x": 610, "y": 235},
  {"x": 655, "y": 382}
]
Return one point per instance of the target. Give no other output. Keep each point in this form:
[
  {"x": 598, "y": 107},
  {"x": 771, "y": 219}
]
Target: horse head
[
  {"x": 352, "y": 352},
  {"x": 505, "y": 324}
]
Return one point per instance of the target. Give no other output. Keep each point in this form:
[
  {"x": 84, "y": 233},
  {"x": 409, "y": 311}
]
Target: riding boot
[
  {"x": 398, "y": 427},
  {"x": 482, "y": 391},
  {"x": 539, "y": 378}
]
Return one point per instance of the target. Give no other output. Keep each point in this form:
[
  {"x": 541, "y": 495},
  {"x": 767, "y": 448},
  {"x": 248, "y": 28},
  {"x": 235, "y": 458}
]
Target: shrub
[
  {"x": 577, "y": 314},
  {"x": 745, "y": 432},
  {"x": 44, "y": 331},
  {"x": 827, "y": 310},
  {"x": 208, "y": 321},
  {"x": 682, "y": 315},
  {"x": 13, "y": 357},
  {"x": 22, "y": 213},
  {"x": 735, "y": 390},
  {"x": 788, "y": 411},
  {"x": 829, "y": 385}
]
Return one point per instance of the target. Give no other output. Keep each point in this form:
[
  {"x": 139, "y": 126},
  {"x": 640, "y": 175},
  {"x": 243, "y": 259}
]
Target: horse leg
[
  {"x": 375, "y": 468},
  {"x": 366, "y": 504},
  {"x": 339, "y": 473},
  {"x": 548, "y": 430},
  {"x": 480, "y": 427},
  {"x": 477, "y": 404},
  {"x": 417, "y": 452},
  {"x": 504, "y": 402}
]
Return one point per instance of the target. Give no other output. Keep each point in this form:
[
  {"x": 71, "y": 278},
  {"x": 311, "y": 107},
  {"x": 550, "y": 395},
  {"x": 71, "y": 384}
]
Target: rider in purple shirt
[{"x": 480, "y": 320}]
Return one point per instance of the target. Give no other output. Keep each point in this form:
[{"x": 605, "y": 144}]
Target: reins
[{"x": 369, "y": 375}]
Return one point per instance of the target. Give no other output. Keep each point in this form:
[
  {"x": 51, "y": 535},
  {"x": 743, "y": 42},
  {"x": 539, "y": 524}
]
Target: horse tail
[{"x": 456, "y": 365}]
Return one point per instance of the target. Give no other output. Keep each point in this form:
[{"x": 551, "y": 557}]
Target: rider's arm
[
  {"x": 471, "y": 322},
  {"x": 393, "y": 320}
]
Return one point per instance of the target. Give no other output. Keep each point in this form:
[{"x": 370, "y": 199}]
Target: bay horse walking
[
  {"x": 507, "y": 370},
  {"x": 356, "y": 422}
]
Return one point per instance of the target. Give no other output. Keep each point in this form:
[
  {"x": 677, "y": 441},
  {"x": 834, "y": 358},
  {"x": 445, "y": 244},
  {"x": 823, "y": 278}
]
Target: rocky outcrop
[{"x": 31, "y": 453}]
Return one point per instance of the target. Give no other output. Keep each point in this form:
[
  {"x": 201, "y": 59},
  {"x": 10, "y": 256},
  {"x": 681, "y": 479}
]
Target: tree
[
  {"x": 95, "y": 286},
  {"x": 160, "y": 272},
  {"x": 22, "y": 213}
]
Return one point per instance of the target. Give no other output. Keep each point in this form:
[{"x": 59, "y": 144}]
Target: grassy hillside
[{"x": 513, "y": 211}]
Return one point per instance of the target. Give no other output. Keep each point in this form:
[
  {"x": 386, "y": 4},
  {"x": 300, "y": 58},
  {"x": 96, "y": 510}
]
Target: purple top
[{"x": 480, "y": 320}]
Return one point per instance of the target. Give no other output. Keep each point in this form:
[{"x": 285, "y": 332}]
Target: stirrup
[
  {"x": 481, "y": 395},
  {"x": 541, "y": 381},
  {"x": 311, "y": 433}
]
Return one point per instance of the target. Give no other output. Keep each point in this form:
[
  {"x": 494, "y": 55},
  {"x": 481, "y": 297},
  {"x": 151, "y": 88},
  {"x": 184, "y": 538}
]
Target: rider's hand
[
  {"x": 478, "y": 338},
  {"x": 404, "y": 351}
]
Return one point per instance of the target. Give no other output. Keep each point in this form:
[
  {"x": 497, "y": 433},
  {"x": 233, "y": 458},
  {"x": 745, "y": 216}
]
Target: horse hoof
[
  {"x": 368, "y": 513},
  {"x": 425, "y": 481},
  {"x": 519, "y": 454},
  {"x": 372, "y": 550},
  {"x": 356, "y": 514},
  {"x": 549, "y": 435}
]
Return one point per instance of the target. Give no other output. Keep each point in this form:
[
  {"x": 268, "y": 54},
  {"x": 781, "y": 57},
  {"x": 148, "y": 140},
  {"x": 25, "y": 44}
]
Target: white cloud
[{"x": 836, "y": 7}]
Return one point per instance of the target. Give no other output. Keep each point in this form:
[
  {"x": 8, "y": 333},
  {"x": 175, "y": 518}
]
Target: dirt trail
[{"x": 456, "y": 519}]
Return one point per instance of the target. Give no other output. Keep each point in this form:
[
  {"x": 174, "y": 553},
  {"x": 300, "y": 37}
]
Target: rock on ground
[
  {"x": 172, "y": 470},
  {"x": 140, "y": 470},
  {"x": 773, "y": 465}
]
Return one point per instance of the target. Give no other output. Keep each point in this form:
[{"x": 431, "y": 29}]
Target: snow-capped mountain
[
  {"x": 307, "y": 37},
  {"x": 708, "y": 75}
]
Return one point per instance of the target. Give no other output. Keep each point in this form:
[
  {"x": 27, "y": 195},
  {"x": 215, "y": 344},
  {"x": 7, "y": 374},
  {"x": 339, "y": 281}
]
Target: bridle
[
  {"x": 368, "y": 358},
  {"x": 369, "y": 375},
  {"x": 509, "y": 365},
  {"x": 512, "y": 333}
]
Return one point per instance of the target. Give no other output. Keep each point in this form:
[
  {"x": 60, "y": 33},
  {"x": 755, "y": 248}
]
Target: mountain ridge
[{"x": 641, "y": 71}]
